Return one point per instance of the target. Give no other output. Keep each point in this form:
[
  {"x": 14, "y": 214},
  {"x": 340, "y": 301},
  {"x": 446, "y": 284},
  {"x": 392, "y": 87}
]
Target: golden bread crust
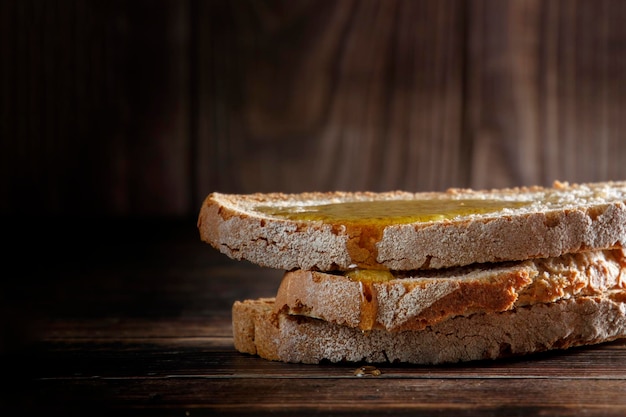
[
  {"x": 583, "y": 320},
  {"x": 562, "y": 219},
  {"x": 416, "y": 300}
]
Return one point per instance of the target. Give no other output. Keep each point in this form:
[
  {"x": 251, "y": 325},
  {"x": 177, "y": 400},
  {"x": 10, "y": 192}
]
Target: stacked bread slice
[{"x": 427, "y": 278}]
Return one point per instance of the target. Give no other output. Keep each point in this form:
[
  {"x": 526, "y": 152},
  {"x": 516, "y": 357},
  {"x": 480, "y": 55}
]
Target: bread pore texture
[
  {"x": 427, "y": 277},
  {"x": 577, "y": 321},
  {"x": 405, "y": 231},
  {"x": 418, "y": 299}
]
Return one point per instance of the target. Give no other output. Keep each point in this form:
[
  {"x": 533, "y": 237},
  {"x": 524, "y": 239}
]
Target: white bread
[
  {"x": 551, "y": 222},
  {"x": 566, "y": 323},
  {"x": 415, "y": 300}
]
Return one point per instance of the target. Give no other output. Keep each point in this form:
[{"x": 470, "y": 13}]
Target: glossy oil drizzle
[
  {"x": 369, "y": 298},
  {"x": 390, "y": 211},
  {"x": 365, "y": 221}
]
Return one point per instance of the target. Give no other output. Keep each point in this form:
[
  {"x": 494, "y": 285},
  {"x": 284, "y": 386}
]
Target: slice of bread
[
  {"x": 432, "y": 230},
  {"x": 577, "y": 321},
  {"x": 416, "y": 300}
]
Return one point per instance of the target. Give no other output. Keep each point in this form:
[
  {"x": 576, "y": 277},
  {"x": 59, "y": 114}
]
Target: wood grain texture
[
  {"x": 146, "y": 107},
  {"x": 332, "y": 95},
  {"x": 138, "y": 323},
  {"x": 94, "y": 109},
  {"x": 546, "y": 91},
  {"x": 303, "y": 396}
]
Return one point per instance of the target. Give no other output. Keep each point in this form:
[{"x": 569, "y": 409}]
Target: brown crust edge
[
  {"x": 526, "y": 330},
  {"x": 413, "y": 246},
  {"x": 425, "y": 299}
]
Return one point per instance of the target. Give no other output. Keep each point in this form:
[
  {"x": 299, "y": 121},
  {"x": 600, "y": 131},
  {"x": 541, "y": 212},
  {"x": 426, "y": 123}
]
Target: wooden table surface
[{"x": 137, "y": 322}]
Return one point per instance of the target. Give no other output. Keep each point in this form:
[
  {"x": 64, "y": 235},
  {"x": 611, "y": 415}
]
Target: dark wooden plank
[
  {"x": 157, "y": 176},
  {"x": 146, "y": 107},
  {"x": 254, "y": 396},
  {"x": 139, "y": 323},
  {"x": 309, "y": 95},
  {"x": 212, "y": 356},
  {"x": 7, "y": 98},
  {"x": 94, "y": 108},
  {"x": 546, "y": 91}
]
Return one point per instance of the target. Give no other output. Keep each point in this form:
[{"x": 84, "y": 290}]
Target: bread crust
[
  {"x": 566, "y": 323},
  {"x": 562, "y": 219},
  {"x": 416, "y": 300}
]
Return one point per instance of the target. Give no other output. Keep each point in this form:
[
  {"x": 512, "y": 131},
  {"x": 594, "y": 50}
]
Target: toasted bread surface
[
  {"x": 547, "y": 222},
  {"x": 583, "y": 320},
  {"x": 417, "y": 299}
]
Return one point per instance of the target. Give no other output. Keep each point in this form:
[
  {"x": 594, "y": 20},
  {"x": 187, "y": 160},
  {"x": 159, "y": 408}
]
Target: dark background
[
  {"x": 117, "y": 118},
  {"x": 141, "y": 108}
]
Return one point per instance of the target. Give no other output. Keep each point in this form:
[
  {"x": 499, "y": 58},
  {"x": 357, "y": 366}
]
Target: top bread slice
[{"x": 284, "y": 231}]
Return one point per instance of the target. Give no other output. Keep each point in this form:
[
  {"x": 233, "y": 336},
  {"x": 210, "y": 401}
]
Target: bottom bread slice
[{"x": 580, "y": 321}]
